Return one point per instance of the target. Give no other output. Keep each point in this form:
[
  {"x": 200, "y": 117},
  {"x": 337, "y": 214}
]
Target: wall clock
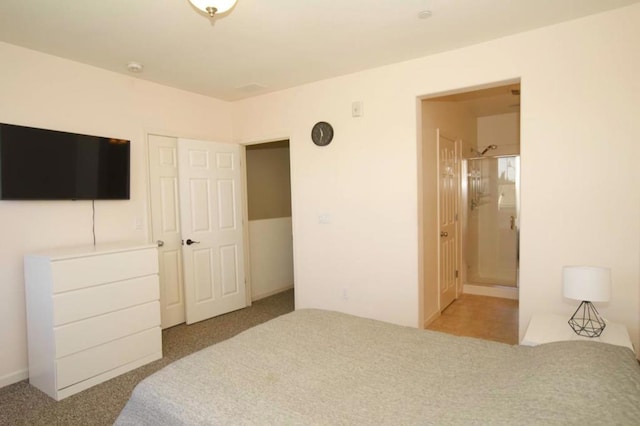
[{"x": 322, "y": 133}]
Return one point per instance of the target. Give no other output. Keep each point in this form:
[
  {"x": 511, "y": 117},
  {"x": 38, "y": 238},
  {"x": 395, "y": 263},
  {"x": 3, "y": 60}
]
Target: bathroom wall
[{"x": 502, "y": 130}]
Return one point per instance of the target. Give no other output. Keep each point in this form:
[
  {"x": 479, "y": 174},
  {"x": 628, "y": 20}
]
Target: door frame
[
  {"x": 427, "y": 223},
  {"x": 246, "y": 205}
]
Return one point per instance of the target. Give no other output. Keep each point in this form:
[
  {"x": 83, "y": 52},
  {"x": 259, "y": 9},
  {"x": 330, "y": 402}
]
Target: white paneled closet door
[
  {"x": 165, "y": 224},
  {"x": 210, "y": 184}
]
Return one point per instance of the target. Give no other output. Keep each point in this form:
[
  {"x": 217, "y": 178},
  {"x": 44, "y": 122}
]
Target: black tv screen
[{"x": 39, "y": 164}]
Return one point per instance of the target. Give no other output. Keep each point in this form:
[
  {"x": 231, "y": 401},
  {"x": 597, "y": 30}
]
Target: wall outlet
[
  {"x": 324, "y": 218},
  {"x": 345, "y": 295},
  {"x": 356, "y": 109}
]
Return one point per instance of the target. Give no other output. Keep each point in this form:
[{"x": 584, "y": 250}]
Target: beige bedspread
[{"x": 317, "y": 367}]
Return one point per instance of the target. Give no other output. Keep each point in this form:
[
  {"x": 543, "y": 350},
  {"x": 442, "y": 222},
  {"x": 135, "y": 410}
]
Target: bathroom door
[{"x": 448, "y": 171}]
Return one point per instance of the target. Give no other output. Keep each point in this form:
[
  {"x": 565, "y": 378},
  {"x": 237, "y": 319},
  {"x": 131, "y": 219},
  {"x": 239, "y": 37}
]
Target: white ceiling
[{"x": 267, "y": 45}]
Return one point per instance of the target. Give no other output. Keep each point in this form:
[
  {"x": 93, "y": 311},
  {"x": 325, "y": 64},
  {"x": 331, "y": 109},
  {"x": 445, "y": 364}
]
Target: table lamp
[{"x": 588, "y": 284}]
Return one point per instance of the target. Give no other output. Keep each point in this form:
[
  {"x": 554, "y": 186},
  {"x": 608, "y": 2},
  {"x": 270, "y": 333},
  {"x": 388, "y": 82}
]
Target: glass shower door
[{"x": 492, "y": 232}]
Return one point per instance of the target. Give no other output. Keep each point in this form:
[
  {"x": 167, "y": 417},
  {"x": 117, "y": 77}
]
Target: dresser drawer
[
  {"x": 99, "y": 300},
  {"x": 95, "y": 331},
  {"x": 86, "y": 364},
  {"x": 81, "y": 272}
]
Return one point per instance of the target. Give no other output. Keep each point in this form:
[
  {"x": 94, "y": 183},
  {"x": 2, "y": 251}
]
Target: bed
[{"x": 322, "y": 367}]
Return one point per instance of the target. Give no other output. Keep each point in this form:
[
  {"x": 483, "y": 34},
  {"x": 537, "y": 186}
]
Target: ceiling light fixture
[
  {"x": 135, "y": 67},
  {"x": 212, "y": 7}
]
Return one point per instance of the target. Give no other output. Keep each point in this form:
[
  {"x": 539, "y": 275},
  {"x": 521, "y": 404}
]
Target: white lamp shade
[
  {"x": 587, "y": 283},
  {"x": 221, "y": 5}
]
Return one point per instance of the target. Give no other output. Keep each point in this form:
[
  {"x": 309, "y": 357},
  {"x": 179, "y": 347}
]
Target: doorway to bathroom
[{"x": 485, "y": 124}]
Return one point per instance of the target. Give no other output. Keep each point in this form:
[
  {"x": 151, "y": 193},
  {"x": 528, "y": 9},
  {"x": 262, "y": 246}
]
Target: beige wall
[
  {"x": 44, "y": 91},
  {"x": 456, "y": 121},
  {"x": 579, "y": 129},
  {"x": 268, "y": 181}
]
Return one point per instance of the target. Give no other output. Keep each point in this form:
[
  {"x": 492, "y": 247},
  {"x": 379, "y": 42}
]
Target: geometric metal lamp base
[{"x": 586, "y": 321}]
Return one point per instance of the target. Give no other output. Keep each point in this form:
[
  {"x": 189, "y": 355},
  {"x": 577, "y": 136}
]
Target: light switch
[{"x": 324, "y": 218}]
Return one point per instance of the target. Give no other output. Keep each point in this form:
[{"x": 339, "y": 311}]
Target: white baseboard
[
  {"x": 270, "y": 293},
  {"x": 15, "y": 377},
  {"x": 493, "y": 291}
]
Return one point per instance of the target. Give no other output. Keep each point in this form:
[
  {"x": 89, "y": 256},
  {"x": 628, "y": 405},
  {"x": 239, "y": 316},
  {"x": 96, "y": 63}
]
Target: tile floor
[{"x": 484, "y": 317}]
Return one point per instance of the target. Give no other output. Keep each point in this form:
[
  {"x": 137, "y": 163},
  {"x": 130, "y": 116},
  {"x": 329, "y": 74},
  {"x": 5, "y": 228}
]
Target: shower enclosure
[{"x": 492, "y": 220}]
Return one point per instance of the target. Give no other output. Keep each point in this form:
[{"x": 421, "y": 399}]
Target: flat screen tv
[{"x": 39, "y": 164}]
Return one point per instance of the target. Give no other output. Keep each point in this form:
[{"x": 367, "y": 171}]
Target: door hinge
[
  {"x": 456, "y": 217},
  {"x": 456, "y": 273}
]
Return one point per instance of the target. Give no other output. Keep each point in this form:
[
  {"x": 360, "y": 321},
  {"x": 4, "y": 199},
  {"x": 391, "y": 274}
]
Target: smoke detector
[{"x": 135, "y": 67}]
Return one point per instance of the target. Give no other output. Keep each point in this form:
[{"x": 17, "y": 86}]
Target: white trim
[
  {"x": 493, "y": 291},
  {"x": 14, "y": 377},
  {"x": 246, "y": 240}
]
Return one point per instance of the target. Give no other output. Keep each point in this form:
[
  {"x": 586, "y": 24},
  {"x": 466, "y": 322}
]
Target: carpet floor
[{"x": 22, "y": 404}]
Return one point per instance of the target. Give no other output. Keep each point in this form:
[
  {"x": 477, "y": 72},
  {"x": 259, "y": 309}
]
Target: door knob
[
  {"x": 190, "y": 241},
  {"x": 160, "y": 243},
  {"x": 444, "y": 234}
]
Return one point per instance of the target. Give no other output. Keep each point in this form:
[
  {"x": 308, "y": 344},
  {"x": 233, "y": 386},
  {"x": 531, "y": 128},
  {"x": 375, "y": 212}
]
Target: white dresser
[{"x": 93, "y": 313}]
